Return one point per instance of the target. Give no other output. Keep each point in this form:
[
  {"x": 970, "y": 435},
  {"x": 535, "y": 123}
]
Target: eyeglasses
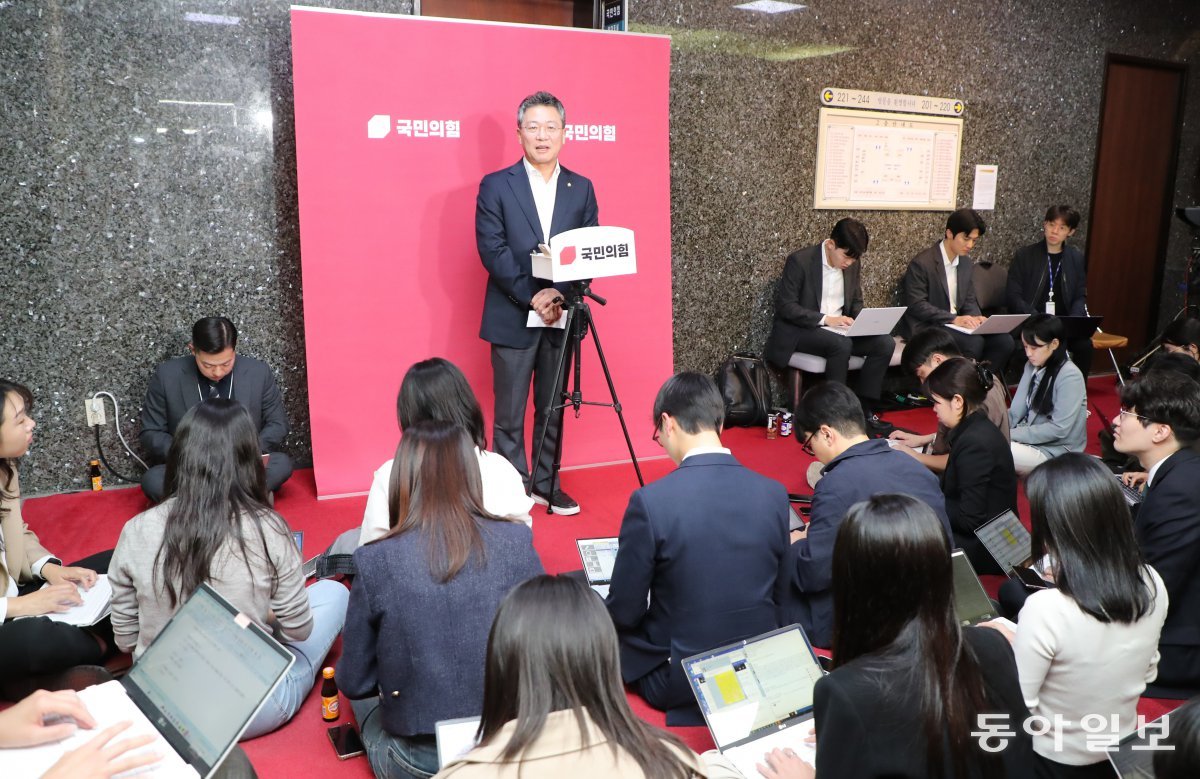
[
  {"x": 550, "y": 129},
  {"x": 654, "y": 436},
  {"x": 1126, "y": 412},
  {"x": 806, "y": 445}
]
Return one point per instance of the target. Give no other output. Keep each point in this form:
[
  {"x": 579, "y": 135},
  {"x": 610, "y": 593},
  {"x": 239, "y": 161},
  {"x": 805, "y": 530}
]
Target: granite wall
[{"x": 147, "y": 170}]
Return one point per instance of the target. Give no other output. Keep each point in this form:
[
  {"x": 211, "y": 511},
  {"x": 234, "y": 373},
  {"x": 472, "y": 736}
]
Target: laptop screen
[
  {"x": 971, "y": 602},
  {"x": 1007, "y": 540},
  {"x": 755, "y": 685},
  {"x": 204, "y": 676},
  {"x": 598, "y": 555}
]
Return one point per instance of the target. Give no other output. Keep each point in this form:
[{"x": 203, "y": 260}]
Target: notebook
[
  {"x": 96, "y": 605},
  {"x": 871, "y": 321},
  {"x": 598, "y": 556},
  {"x": 999, "y": 323},
  {"x": 757, "y": 695},
  {"x": 455, "y": 738},
  {"x": 971, "y": 602},
  {"x": 195, "y": 688}
]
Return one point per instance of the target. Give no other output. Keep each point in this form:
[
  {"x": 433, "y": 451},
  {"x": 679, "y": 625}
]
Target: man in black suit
[
  {"x": 820, "y": 288},
  {"x": 1159, "y": 423},
  {"x": 702, "y": 559},
  {"x": 518, "y": 208},
  {"x": 1049, "y": 277},
  {"x": 934, "y": 273},
  {"x": 212, "y": 370}
]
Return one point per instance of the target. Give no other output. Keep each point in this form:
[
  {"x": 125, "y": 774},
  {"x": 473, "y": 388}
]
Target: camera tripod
[{"x": 579, "y": 326}]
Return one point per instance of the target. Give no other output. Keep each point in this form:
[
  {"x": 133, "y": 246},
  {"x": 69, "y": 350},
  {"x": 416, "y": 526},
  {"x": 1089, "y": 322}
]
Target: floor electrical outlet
[{"x": 95, "y": 411}]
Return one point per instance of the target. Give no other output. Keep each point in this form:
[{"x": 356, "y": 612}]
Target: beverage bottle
[
  {"x": 94, "y": 473},
  {"x": 329, "y": 695}
]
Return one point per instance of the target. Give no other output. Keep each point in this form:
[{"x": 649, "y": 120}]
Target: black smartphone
[
  {"x": 346, "y": 741},
  {"x": 1030, "y": 579}
]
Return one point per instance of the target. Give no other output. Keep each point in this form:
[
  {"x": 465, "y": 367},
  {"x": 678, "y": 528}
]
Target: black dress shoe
[{"x": 878, "y": 428}]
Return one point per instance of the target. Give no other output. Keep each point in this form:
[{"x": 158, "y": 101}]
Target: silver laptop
[
  {"x": 1133, "y": 756},
  {"x": 998, "y": 323},
  {"x": 195, "y": 688},
  {"x": 971, "y": 602},
  {"x": 598, "y": 556},
  {"x": 1007, "y": 541},
  {"x": 455, "y": 738},
  {"x": 872, "y": 321},
  {"x": 757, "y": 695}
]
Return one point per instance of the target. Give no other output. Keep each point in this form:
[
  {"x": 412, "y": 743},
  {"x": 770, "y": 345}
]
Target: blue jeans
[
  {"x": 392, "y": 756},
  {"x": 328, "y": 600}
]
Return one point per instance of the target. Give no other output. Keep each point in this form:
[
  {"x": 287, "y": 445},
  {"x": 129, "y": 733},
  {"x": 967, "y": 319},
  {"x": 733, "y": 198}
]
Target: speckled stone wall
[
  {"x": 147, "y": 170},
  {"x": 744, "y": 112}
]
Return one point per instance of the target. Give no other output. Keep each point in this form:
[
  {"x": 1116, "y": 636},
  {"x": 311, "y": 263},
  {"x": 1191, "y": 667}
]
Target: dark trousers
[
  {"x": 512, "y": 371},
  {"x": 279, "y": 470},
  {"x": 836, "y": 349},
  {"x": 996, "y": 349},
  {"x": 1178, "y": 672}
]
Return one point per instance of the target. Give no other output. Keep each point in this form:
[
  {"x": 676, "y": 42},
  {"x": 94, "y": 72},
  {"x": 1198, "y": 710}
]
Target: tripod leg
[
  {"x": 612, "y": 391},
  {"x": 554, "y": 405}
]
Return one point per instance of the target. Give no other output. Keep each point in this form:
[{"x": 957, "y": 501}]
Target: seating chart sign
[{"x": 886, "y": 161}]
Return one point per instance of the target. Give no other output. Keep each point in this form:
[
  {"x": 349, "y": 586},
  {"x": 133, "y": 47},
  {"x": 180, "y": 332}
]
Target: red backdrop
[{"x": 397, "y": 119}]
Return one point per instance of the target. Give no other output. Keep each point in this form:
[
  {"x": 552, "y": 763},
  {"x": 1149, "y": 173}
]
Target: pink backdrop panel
[{"x": 387, "y": 213}]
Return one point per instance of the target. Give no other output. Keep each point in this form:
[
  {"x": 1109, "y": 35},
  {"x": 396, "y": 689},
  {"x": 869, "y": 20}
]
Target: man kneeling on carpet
[{"x": 703, "y": 551}]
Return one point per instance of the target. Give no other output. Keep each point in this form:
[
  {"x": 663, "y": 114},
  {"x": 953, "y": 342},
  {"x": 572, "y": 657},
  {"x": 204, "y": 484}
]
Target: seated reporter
[
  {"x": 1048, "y": 416},
  {"x": 424, "y": 598}
]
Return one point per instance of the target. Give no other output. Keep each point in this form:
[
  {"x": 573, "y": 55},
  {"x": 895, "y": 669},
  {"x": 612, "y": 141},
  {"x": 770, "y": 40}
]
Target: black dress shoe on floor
[
  {"x": 559, "y": 503},
  {"x": 878, "y": 428}
]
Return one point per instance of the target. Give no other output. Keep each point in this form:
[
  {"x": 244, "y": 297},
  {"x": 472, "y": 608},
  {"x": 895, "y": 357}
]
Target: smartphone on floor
[{"x": 346, "y": 741}]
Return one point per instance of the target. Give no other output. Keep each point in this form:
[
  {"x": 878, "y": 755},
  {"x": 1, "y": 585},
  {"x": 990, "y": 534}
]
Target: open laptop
[
  {"x": 598, "y": 556},
  {"x": 871, "y": 321},
  {"x": 1076, "y": 328},
  {"x": 997, "y": 323},
  {"x": 196, "y": 688},
  {"x": 455, "y": 738},
  {"x": 1133, "y": 756},
  {"x": 1010, "y": 545},
  {"x": 757, "y": 695},
  {"x": 971, "y": 602}
]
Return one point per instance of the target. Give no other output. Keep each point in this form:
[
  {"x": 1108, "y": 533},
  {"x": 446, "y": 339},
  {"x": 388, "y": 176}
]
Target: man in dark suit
[
  {"x": 830, "y": 426},
  {"x": 702, "y": 559},
  {"x": 212, "y": 370},
  {"x": 820, "y": 288},
  {"x": 1049, "y": 277},
  {"x": 518, "y": 208},
  {"x": 934, "y": 273},
  {"x": 1159, "y": 423}
]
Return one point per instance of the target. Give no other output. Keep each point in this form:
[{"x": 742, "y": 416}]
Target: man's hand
[
  {"x": 102, "y": 757},
  {"x": 798, "y": 534},
  {"x": 57, "y": 574},
  {"x": 1134, "y": 479},
  {"x": 24, "y": 724},
  {"x": 969, "y": 322},
  {"x": 838, "y": 321},
  {"x": 56, "y": 598},
  {"x": 544, "y": 303}
]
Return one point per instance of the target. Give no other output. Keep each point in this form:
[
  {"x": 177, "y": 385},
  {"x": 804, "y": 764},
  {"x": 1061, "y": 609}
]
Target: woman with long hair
[
  {"x": 35, "y": 650},
  {"x": 435, "y": 389},
  {"x": 980, "y": 481},
  {"x": 424, "y": 598},
  {"x": 216, "y": 527},
  {"x": 1048, "y": 416},
  {"x": 1088, "y": 646},
  {"x": 553, "y": 702},
  {"x": 908, "y": 685}
]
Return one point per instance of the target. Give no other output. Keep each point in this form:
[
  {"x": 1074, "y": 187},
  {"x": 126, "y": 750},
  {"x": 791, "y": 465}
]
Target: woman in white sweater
[
  {"x": 216, "y": 527},
  {"x": 1087, "y": 646}
]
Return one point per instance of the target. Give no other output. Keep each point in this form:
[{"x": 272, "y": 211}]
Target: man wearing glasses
[
  {"x": 1159, "y": 423},
  {"x": 212, "y": 370},
  {"x": 518, "y": 208}
]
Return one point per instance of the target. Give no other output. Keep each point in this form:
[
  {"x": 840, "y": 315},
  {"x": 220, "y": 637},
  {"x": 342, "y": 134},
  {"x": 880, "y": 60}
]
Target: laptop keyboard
[
  {"x": 747, "y": 756},
  {"x": 109, "y": 704},
  {"x": 1132, "y": 497}
]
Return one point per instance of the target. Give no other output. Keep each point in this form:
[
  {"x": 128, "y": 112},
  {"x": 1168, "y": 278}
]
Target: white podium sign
[{"x": 587, "y": 253}]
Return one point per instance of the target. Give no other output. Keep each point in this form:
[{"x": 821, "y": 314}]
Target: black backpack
[{"x": 744, "y": 382}]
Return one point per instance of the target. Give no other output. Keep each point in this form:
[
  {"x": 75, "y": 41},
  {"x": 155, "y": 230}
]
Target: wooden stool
[{"x": 1110, "y": 341}]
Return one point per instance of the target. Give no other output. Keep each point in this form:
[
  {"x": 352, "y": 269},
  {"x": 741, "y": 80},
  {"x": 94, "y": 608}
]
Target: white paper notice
[{"x": 985, "y": 187}]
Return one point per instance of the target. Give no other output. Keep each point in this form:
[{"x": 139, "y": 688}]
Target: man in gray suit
[
  {"x": 945, "y": 268},
  {"x": 212, "y": 370}
]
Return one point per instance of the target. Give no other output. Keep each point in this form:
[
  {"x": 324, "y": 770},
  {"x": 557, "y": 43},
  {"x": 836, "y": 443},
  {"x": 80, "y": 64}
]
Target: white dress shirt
[
  {"x": 951, "y": 266},
  {"x": 544, "y": 193},
  {"x": 833, "y": 288}
]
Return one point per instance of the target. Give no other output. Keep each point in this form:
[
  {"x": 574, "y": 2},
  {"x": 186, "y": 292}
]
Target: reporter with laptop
[
  {"x": 908, "y": 685},
  {"x": 820, "y": 290}
]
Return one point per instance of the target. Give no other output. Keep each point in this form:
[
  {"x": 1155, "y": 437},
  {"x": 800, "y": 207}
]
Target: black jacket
[
  {"x": 980, "y": 482},
  {"x": 1028, "y": 286},
  {"x": 798, "y": 301}
]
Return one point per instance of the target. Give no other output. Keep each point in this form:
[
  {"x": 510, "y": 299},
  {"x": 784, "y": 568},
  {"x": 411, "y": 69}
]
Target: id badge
[{"x": 1050, "y": 307}]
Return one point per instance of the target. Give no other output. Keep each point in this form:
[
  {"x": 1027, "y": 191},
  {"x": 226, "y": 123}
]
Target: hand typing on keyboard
[{"x": 786, "y": 764}]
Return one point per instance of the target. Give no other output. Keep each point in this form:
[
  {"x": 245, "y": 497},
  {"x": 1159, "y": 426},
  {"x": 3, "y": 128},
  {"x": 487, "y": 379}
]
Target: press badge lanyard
[{"x": 1050, "y": 275}]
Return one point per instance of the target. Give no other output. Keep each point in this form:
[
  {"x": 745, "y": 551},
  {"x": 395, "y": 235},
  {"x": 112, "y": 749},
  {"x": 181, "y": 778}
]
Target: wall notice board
[{"x": 886, "y": 161}]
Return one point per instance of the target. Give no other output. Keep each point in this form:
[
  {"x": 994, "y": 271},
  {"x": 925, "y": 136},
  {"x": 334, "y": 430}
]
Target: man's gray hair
[{"x": 541, "y": 98}]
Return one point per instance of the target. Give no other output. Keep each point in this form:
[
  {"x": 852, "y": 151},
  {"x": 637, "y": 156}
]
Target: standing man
[
  {"x": 1049, "y": 277},
  {"x": 820, "y": 288},
  {"x": 212, "y": 370},
  {"x": 518, "y": 208},
  {"x": 939, "y": 291}
]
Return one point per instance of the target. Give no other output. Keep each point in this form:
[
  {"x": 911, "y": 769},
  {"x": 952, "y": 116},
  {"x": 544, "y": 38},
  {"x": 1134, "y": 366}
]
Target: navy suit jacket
[
  {"x": 1027, "y": 281},
  {"x": 707, "y": 543},
  {"x": 798, "y": 301},
  {"x": 927, "y": 296},
  {"x": 1168, "y": 531},
  {"x": 175, "y": 388},
  {"x": 507, "y": 229},
  {"x": 865, "y": 469}
]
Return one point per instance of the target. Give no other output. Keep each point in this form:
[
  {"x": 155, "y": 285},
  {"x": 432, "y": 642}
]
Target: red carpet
[{"x": 75, "y": 525}]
